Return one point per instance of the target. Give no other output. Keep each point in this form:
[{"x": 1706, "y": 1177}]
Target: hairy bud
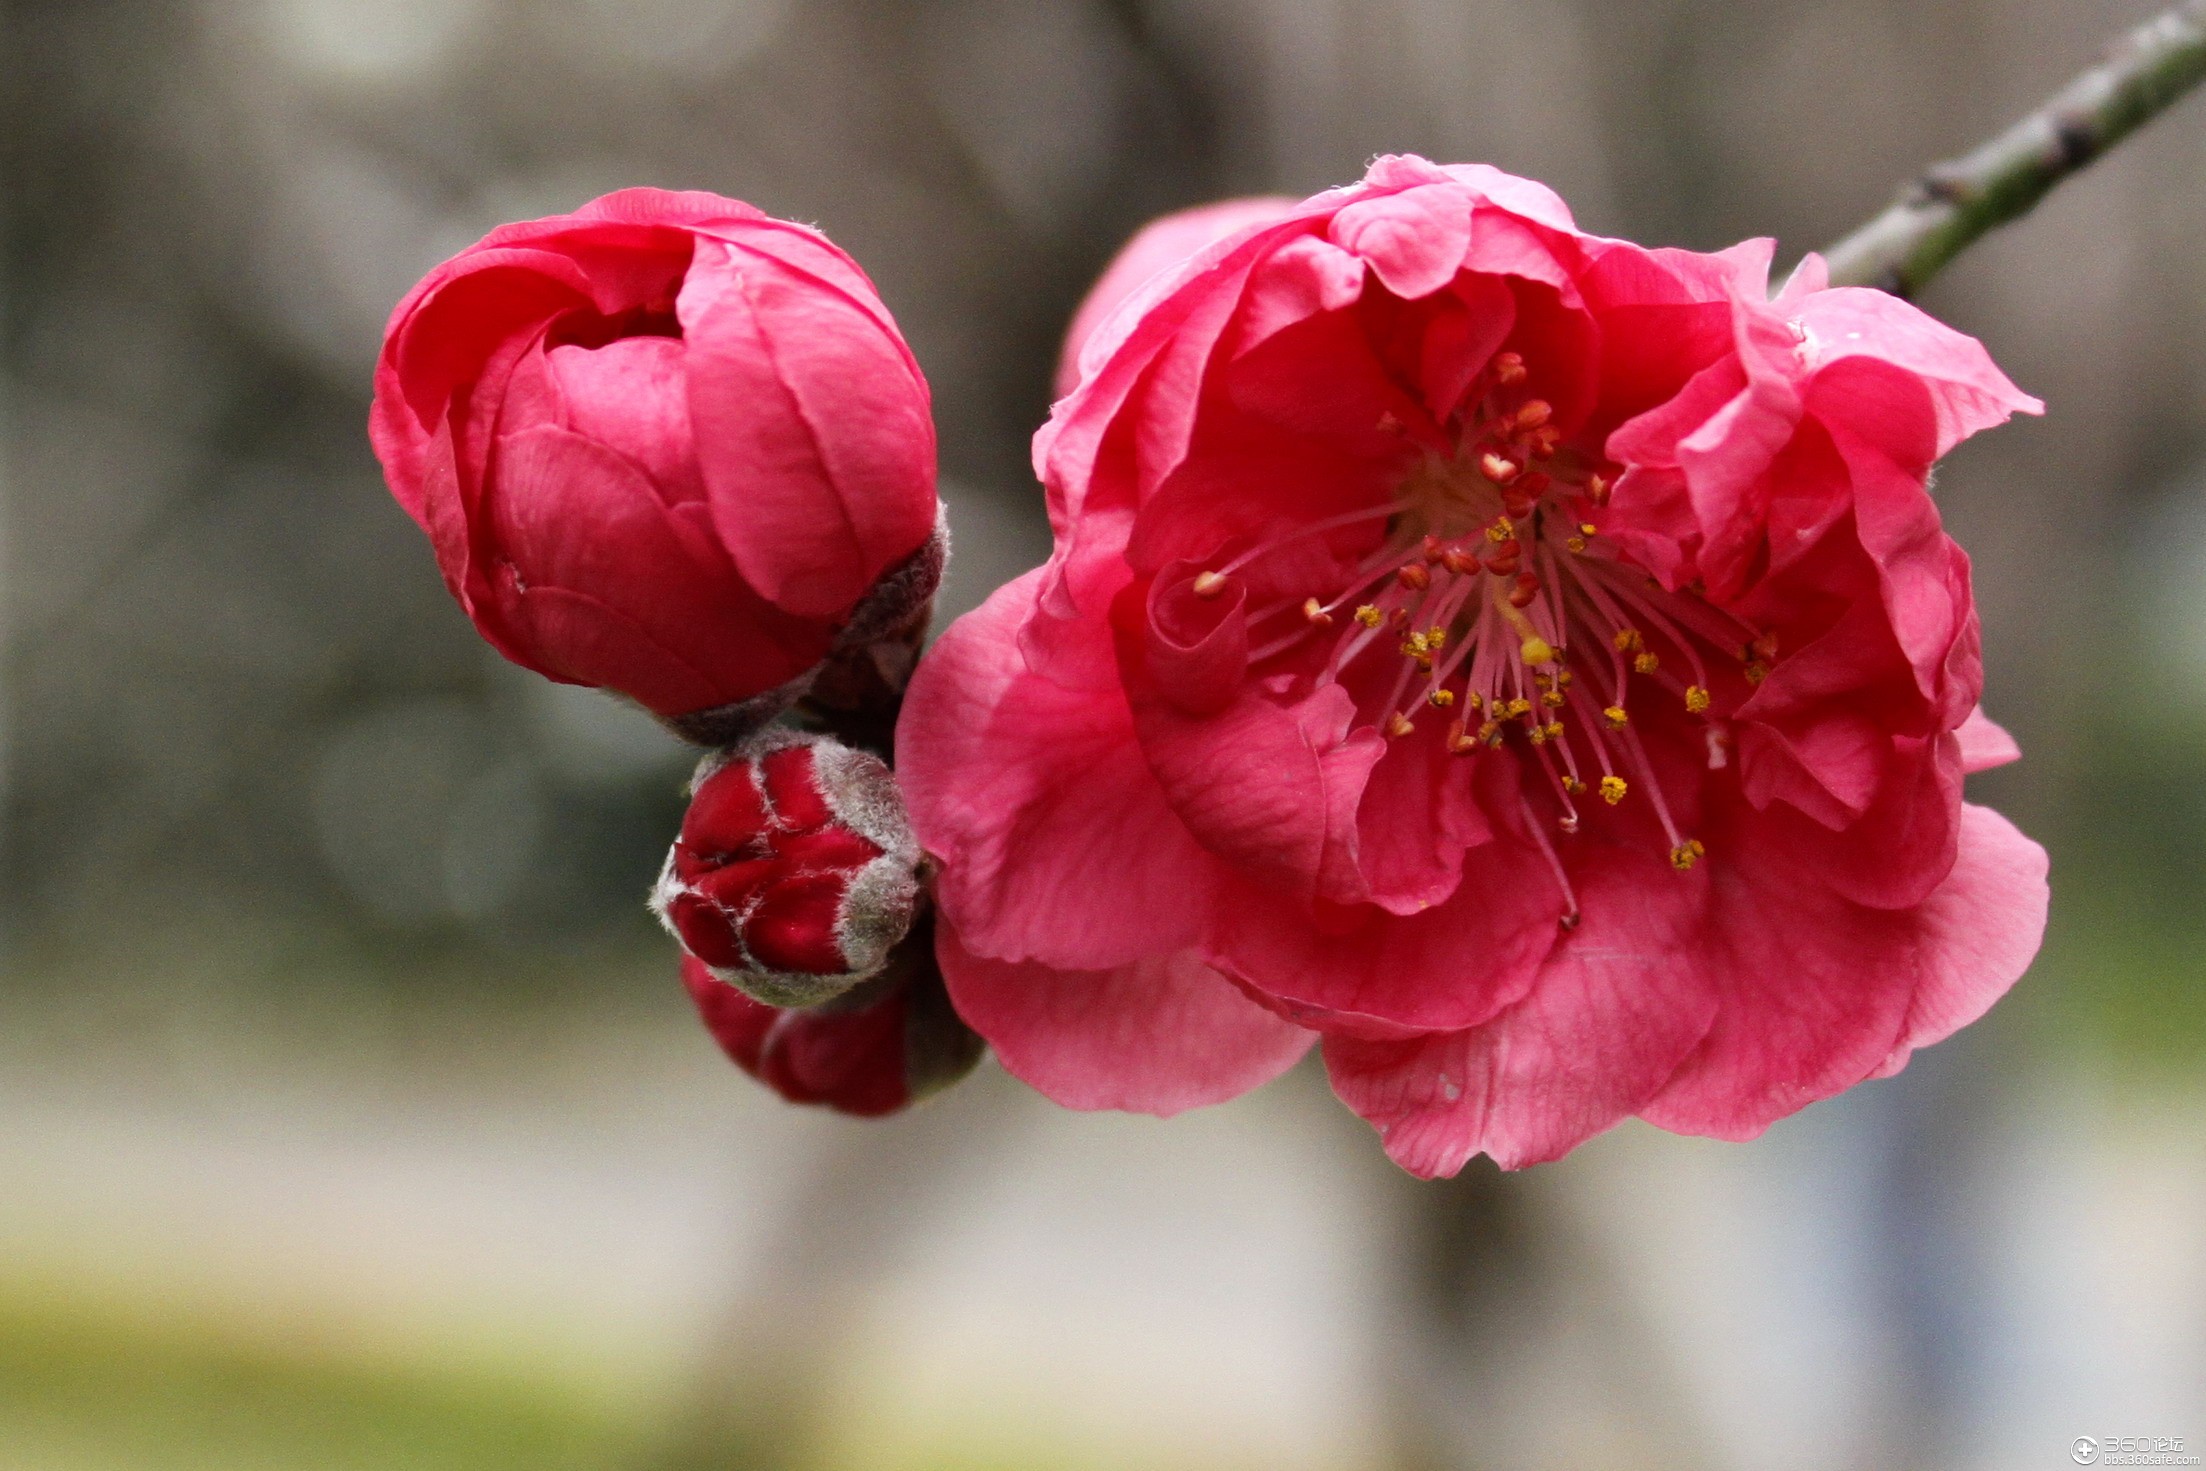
[{"x": 796, "y": 871}]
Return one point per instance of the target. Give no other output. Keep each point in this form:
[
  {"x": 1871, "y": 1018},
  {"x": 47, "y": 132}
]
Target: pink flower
[
  {"x": 881, "y": 1047},
  {"x": 796, "y": 870},
  {"x": 1527, "y": 661},
  {"x": 1162, "y": 243},
  {"x": 665, "y": 445}
]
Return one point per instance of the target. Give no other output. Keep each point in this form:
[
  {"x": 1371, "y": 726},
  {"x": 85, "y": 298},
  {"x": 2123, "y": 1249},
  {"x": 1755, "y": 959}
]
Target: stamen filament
[
  {"x": 1570, "y": 916},
  {"x": 1330, "y": 523}
]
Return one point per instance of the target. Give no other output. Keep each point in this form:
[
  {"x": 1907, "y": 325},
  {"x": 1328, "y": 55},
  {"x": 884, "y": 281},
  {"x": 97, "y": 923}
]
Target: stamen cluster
[{"x": 1504, "y": 607}]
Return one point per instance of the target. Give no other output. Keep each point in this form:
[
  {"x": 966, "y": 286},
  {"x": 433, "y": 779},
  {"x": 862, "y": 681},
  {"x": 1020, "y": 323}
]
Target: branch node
[{"x": 2079, "y": 139}]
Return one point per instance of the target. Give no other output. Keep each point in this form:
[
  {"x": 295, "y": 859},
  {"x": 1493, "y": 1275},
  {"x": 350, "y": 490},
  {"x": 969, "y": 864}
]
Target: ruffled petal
[
  {"x": 1159, "y": 246},
  {"x": 1617, "y": 1006},
  {"x": 1159, "y": 1036},
  {"x": 1360, "y": 968},
  {"x": 1969, "y": 391},
  {"x": 1818, "y": 993},
  {"x": 1980, "y": 931},
  {"x": 1055, "y": 840},
  {"x": 1985, "y": 744},
  {"x": 1414, "y": 240},
  {"x": 1270, "y": 788}
]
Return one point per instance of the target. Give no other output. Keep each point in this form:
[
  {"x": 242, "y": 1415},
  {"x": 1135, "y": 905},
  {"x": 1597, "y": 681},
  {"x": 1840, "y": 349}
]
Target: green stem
[{"x": 1939, "y": 215}]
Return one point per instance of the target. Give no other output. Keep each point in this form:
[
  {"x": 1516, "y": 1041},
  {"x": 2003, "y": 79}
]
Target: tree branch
[{"x": 1942, "y": 213}]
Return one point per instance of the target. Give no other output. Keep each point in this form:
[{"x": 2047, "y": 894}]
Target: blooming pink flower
[
  {"x": 796, "y": 870},
  {"x": 1155, "y": 247},
  {"x": 665, "y": 445},
  {"x": 871, "y": 1052},
  {"x": 1527, "y": 661}
]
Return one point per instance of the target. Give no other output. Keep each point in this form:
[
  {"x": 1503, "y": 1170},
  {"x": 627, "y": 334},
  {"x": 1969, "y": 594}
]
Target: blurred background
[{"x": 350, "y": 1113}]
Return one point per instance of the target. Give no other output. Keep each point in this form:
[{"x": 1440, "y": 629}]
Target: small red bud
[
  {"x": 796, "y": 870},
  {"x": 877, "y": 1048}
]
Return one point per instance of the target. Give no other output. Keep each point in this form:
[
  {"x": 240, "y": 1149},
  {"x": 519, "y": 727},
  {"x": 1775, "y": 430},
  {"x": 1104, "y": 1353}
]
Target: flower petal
[
  {"x": 1617, "y": 1006},
  {"x": 1157, "y": 247},
  {"x": 812, "y": 429},
  {"x": 1985, "y": 744},
  {"x": 1360, "y": 968},
  {"x": 1982, "y": 928},
  {"x": 583, "y": 519},
  {"x": 1055, "y": 840},
  {"x": 1970, "y": 392},
  {"x": 1164, "y": 1034},
  {"x": 1818, "y": 993}
]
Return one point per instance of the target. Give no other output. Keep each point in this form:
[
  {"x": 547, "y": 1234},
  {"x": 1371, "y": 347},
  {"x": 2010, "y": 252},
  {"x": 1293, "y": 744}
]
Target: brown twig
[{"x": 1939, "y": 215}]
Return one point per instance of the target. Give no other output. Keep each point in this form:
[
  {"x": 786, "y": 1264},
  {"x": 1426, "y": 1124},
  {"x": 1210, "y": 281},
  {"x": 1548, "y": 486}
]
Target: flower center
[{"x": 1503, "y": 610}]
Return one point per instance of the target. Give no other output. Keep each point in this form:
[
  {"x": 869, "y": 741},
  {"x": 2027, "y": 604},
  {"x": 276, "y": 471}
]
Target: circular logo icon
[{"x": 2085, "y": 1450}]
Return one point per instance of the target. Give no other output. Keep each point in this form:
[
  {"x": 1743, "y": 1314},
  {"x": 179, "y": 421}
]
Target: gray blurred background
[{"x": 350, "y": 1115}]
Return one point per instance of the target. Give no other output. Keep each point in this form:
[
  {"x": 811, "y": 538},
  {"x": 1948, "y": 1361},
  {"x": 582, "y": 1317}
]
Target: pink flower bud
[
  {"x": 667, "y": 446},
  {"x": 796, "y": 870},
  {"x": 885, "y": 1044}
]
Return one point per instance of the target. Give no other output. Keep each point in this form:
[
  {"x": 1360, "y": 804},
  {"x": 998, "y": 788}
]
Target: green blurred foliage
[
  {"x": 90, "y": 1392},
  {"x": 2123, "y": 973}
]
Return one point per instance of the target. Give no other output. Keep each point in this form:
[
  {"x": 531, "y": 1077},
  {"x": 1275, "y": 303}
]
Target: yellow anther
[
  {"x": 1398, "y": 724},
  {"x": 1617, "y": 717},
  {"x": 1628, "y": 641},
  {"x": 1575, "y": 543},
  {"x": 1502, "y": 529},
  {"x": 1416, "y": 646},
  {"x": 1537, "y": 735},
  {"x": 1575, "y": 787},
  {"x": 1645, "y": 663},
  {"x": 1554, "y": 729},
  {"x": 1473, "y": 700},
  {"x": 1459, "y": 741},
  {"x": 1442, "y": 698},
  {"x": 1553, "y": 699},
  {"x": 1369, "y": 616},
  {"x": 1613, "y": 789},
  {"x": 1209, "y": 584},
  {"x": 1696, "y": 699},
  {"x": 1587, "y": 528},
  {"x": 1686, "y": 854},
  {"x": 1490, "y": 733},
  {"x": 1436, "y": 639},
  {"x": 1518, "y": 708},
  {"x": 1537, "y": 650},
  {"x": 1564, "y": 678},
  {"x": 1314, "y": 610}
]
